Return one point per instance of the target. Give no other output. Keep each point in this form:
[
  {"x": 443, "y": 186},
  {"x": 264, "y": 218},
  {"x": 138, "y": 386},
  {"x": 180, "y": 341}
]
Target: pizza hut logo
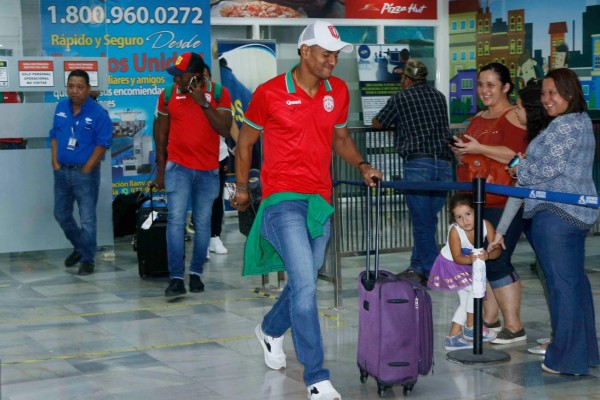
[
  {"x": 328, "y": 103},
  {"x": 369, "y": 7},
  {"x": 333, "y": 31}
]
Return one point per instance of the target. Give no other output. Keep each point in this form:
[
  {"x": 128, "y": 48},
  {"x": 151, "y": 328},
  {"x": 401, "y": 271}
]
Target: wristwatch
[{"x": 205, "y": 105}]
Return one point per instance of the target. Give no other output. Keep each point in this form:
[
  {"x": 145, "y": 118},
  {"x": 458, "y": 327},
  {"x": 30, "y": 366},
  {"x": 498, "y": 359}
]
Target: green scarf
[{"x": 260, "y": 257}]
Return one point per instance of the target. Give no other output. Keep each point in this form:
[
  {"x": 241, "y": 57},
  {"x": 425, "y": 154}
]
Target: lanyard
[{"x": 74, "y": 127}]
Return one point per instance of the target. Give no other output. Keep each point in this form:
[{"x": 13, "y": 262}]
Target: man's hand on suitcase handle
[
  {"x": 370, "y": 174},
  {"x": 241, "y": 200},
  {"x": 159, "y": 181}
]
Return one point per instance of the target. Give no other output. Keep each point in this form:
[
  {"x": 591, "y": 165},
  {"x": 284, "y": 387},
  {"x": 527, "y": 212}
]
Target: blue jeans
[
  {"x": 423, "y": 208},
  {"x": 284, "y": 226},
  {"x": 560, "y": 248},
  {"x": 182, "y": 185},
  {"x": 70, "y": 186}
]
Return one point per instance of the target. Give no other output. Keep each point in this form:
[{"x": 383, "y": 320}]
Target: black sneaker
[
  {"x": 196, "y": 285},
  {"x": 176, "y": 288},
  {"x": 533, "y": 267},
  {"x": 73, "y": 259},
  {"x": 506, "y": 336},
  {"x": 414, "y": 276},
  {"x": 85, "y": 268}
]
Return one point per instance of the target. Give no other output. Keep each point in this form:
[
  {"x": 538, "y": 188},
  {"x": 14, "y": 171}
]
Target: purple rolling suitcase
[{"x": 395, "y": 326}]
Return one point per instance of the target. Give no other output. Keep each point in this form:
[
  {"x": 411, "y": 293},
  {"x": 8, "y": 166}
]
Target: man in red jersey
[
  {"x": 189, "y": 122},
  {"x": 302, "y": 114}
]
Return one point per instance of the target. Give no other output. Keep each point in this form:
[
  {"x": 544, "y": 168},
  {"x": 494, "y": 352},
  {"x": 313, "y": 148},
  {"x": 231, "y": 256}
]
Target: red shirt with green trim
[
  {"x": 297, "y": 133},
  {"x": 193, "y": 142}
]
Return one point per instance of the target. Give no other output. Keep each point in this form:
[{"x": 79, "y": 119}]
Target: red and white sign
[
  {"x": 400, "y": 9},
  {"x": 91, "y": 67},
  {"x": 36, "y": 73}
]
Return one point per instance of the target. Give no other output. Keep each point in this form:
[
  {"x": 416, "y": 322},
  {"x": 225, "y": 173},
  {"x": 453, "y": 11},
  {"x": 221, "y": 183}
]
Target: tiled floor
[{"x": 112, "y": 335}]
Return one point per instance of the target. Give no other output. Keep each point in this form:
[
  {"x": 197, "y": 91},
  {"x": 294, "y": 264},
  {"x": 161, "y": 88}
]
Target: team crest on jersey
[{"x": 328, "y": 103}]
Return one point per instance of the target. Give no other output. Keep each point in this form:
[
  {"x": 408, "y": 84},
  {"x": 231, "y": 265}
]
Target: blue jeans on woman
[
  {"x": 423, "y": 208},
  {"x": 560, "y": 248},
  {"x": 182, "y": 185},
  {"x": 70, "y": 186},
  {"x": 284, "y": 226}
]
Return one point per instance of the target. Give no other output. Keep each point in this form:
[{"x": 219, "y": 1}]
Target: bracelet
[
  {"x": 363, "y": 162},
  {"x": 205, "y": 106},
  {"x": 241, "y": 187}
]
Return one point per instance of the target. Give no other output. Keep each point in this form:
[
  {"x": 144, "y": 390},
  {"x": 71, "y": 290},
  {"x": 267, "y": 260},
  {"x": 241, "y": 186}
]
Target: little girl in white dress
[{"x": 452, "y": 268}]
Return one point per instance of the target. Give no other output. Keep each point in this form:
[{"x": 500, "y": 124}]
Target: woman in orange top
[{"x": 497, "y": 134}]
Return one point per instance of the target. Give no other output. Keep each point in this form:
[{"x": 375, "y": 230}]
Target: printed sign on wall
[
  {"x": 140, "y": 40},
  {"x": 36, "y": 74}
]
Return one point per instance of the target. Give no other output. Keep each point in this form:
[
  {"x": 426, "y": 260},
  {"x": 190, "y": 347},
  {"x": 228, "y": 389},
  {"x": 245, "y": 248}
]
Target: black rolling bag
[{"x": 151, "y": 244}]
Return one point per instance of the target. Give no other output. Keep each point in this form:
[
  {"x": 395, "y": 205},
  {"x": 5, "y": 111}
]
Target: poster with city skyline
[{"x": 529, "y": 38}]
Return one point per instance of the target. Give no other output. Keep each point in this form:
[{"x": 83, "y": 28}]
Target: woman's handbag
[{"x": 479, "y": 166}]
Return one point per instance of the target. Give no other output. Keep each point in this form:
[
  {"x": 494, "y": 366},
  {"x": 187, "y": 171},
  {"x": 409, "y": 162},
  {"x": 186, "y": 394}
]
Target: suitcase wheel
[
  {"x": 407, "y": 389},
  {"x": 381, "y": 388},
  {"x": 363, "y": 376}
]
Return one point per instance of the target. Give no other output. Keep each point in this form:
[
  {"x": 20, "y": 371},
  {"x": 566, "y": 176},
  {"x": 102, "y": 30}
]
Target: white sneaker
[
  {"x": 323, "y": 391},
  {"x": 189, "y": 228},
  {"x": 216, "y": 246},
  {"x": 540, "y": 350},
  {"x": 273, "y": 349}
]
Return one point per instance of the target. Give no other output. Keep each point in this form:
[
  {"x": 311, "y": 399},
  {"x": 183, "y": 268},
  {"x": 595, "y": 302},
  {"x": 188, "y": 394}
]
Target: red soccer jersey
[
  {"x": 297, "y": 133},
  {"x": 193, "y": 142}
]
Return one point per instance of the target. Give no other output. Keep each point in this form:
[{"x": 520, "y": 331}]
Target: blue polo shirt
[{"x": 91, "y": 127}]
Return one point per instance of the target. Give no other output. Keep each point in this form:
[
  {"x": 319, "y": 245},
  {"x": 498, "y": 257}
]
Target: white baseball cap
[{"x": 323, "y": 34}]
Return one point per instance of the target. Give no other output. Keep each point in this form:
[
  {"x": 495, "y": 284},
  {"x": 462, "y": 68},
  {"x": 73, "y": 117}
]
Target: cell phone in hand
[
  {"x": 514, "y": 162},
  {"x": 451, "y": 141},
  {"x": 193, "y": 83}
]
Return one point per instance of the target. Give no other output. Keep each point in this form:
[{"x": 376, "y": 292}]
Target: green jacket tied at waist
[{"x": 260, "y": 256}]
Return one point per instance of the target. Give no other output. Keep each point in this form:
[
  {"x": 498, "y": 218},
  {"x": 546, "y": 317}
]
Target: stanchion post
[
  {"x": 478, "y": 202},
  {"x": 477, "y": 355}
]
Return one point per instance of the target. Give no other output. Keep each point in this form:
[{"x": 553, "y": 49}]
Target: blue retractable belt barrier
[{"x": 558, "y": 197}]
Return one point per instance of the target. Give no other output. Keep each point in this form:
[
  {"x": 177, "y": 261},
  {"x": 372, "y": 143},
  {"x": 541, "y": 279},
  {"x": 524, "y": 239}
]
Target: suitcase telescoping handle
[
  {"x": 152, "y": 188},
  {"x": 369, "y": 227}
]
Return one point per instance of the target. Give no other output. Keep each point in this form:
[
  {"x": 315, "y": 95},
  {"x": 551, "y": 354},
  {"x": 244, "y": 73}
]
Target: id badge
[{"x": 72, "y": 144}]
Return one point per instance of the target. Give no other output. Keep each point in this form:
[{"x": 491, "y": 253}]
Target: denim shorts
[{"x": 507, "y": 280}]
